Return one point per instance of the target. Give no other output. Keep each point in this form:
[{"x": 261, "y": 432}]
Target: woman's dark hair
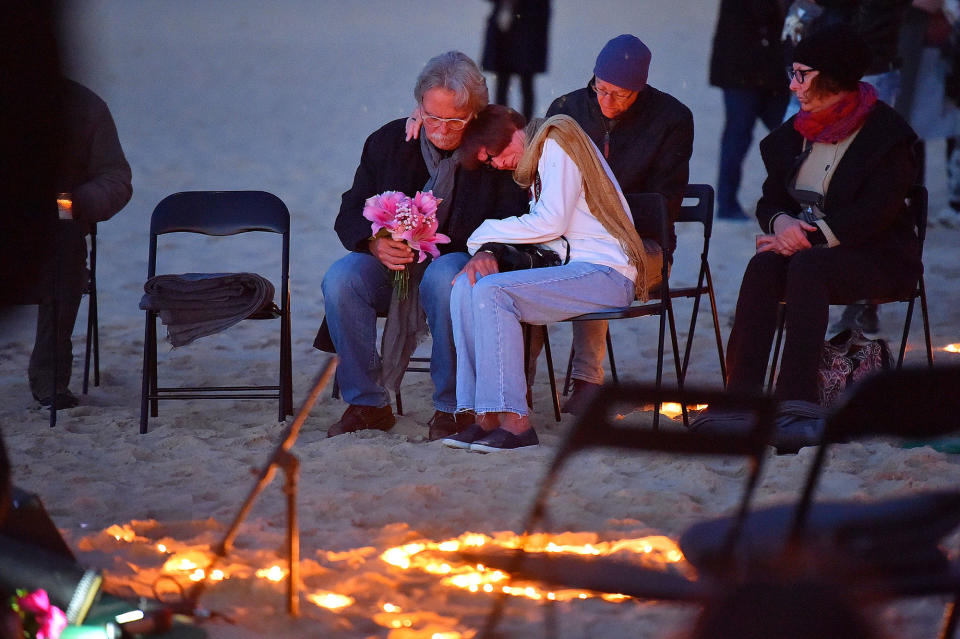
[{"x": 491, "y": 129}]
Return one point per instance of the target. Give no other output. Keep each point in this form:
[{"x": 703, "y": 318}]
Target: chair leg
[
  {"x": 147, "y": 370},
  {"x": 154, "y": 377},
  {"x": 88, "y": 346},
  {"x": 774, "y": 362},
  {"x": 553, "y": 381},
  {"x": 906, "y": 333},
  {"x": 399, "y": 403},
  {"x": 716, "y": 326},
  {"x": 566, "y": 378},
  {"x": 613, "y": 362},
  {"x": 96, "y": 335},
  {"x": 926, "y": 322},
  {"x": 659, "y": 373},
  {"x": 676, "y": 360}
]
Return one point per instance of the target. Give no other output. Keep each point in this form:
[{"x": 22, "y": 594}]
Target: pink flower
[
  {"x": 50, "y": 620},
  {"x": 382, "y": 209},
  {"x": 426, "y": 203}
]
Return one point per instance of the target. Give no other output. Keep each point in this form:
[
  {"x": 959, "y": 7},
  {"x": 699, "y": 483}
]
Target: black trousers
[
  {"x": 808, "y": 282},
  {"x": 72, "y": 256}
]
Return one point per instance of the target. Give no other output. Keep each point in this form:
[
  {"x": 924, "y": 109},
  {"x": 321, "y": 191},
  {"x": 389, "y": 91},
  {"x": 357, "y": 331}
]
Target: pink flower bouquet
[
  {"x": 412, "y": 220},
  {"x": 40, "y": 618}
]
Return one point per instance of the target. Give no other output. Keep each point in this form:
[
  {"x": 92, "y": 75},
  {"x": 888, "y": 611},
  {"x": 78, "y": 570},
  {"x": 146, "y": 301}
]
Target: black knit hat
[{"x": 837, "y": 52}]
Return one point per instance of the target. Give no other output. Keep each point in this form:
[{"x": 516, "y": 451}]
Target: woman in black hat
[{"x": 837, "y": 229}]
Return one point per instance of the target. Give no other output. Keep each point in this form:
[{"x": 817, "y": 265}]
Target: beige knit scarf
[{"x": 599, "y": 192}]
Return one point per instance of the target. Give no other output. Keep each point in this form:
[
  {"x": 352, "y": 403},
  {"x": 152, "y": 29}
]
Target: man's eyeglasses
[
  {"x": 616, "y": 97},
  {"x": 454, "y": 124},
  {"x": 800, "y": 75}
]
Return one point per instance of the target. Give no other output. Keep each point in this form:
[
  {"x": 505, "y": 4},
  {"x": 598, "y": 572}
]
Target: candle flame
[
  {"x": 952, "y": 348},
  {"x": 330, "y": 600},
  {"x": 273, "y": 573}
]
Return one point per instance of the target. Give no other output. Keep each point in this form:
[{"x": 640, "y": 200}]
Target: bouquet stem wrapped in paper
[{"x": 412, "y": 220}]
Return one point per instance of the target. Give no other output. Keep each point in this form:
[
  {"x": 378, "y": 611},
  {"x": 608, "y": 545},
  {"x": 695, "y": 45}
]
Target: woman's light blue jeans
[
  {"x": 486, "y": 325},
  {"x": 356, "y": 288}
]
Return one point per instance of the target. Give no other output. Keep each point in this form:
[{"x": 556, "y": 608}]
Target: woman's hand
[
  {"x": 483, "y": 263},
  {"x": 791, "y": 235},
  {"x": 414, "y": 122},
  {"x": 393, "y": 254}
]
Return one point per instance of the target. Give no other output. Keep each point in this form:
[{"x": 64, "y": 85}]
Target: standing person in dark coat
[
  {"x": 450, "y": 91},
  {"x": 747, "y": 63},
  {"x": 516, "y": 44},
  {"x": 95, "y": 172},
  {"x": 646, "y": 136}
]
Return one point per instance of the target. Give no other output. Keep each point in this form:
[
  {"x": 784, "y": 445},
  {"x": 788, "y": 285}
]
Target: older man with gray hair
[{"x": 357, "y": 288}]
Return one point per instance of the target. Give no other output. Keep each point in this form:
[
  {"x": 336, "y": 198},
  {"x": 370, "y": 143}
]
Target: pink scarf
[{"x": 838, "y": 121}]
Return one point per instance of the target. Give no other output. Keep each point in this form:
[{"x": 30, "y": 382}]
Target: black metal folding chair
[
  {"x": 220, "y": 213},
  {"x": 93, "y": 323},
  {"x": 890, "y": 546},
  {"x": 600, "y": 427},
  {"x": 916, "y": 202}
]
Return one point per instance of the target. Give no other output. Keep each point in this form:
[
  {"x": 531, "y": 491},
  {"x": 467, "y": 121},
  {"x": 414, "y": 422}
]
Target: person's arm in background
[{"x": 109, "y": 187}]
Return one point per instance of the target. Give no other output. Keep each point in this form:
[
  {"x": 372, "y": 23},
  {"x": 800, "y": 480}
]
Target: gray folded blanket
[{"x": 192, "y": 305}]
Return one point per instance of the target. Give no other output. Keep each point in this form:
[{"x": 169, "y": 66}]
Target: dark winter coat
[
  {"x": 92, "y": 167},
  {"x": 747, "y": 51},
  {"x": 865, "y": 201},
  {"x": 388, "y": 163},
  {"x": 648, "y": 148},
  {"x": 522, "y": 48}
]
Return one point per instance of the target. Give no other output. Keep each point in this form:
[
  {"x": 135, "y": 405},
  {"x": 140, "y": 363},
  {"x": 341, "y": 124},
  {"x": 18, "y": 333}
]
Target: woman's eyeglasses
[{"x": 800, "y": 75}]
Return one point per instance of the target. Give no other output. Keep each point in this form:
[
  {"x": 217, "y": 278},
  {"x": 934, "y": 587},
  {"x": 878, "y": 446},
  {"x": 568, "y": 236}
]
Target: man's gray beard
[{"x": 442, "y": 142}]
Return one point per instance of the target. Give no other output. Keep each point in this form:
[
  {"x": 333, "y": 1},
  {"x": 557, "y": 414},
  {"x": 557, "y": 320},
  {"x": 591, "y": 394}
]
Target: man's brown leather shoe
[
  {"x": 443, "y": 425},
  {"x": 363, "y": 417}
]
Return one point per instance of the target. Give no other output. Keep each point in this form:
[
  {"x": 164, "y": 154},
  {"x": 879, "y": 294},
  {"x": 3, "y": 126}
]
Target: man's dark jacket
[
  {"x": 388, "y": 163},
  {"x": 648, "y": 147},
  {"x": 747, "y": 52},
  {"x": 865, "y": 202}
]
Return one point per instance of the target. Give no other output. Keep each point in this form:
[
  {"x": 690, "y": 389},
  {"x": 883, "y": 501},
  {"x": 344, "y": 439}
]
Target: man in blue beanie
[{"x": 646, "y": 137}]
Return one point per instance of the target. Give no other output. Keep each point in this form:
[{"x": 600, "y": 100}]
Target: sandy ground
[{"x": 279, "y": 97}]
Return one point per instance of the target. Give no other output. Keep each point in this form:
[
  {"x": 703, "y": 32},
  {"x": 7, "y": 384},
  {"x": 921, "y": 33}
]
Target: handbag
[
  {"x": 517, "y": 257},
  {"x": 846, "y": 358}
]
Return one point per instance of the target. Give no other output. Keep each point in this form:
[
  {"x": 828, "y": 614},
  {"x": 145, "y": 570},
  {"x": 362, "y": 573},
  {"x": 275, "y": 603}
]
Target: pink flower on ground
[
  {"x": 382, "y": 209},
  {"x": 50, "y": 620}
]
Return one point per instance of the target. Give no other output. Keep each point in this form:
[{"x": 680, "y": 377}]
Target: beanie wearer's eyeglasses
[{"x": 616, "y": 97}]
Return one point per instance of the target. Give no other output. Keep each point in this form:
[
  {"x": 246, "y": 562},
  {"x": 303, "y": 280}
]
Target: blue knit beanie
[{"x": 624, "y": 62}]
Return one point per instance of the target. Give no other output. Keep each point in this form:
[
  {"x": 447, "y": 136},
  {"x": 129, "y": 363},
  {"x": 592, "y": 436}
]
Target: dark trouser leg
[
  {"x": 503, "y": 85},
  {"x": 72, "y": 250},
  {"x": 740, "y": 106},
  {"x": 526, "y": 87},
  {"x": 815, "y": 278},
  {"x": 755, "y": 321}
]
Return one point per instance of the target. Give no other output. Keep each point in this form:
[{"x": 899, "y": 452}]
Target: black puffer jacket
[
  {"x": 648, "y": 148},
  {"x": 388, "y": 163}
]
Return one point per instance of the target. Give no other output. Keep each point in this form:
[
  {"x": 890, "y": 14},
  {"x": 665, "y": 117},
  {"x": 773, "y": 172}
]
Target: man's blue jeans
[
  {"x": 357, "y": 288},
  {"x": 743, "y": 108},
  {"x": 489, "y": 338}
]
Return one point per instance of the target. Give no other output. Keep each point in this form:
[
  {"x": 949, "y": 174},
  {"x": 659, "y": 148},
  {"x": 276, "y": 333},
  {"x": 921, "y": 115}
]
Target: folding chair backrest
[
  {"x": 909, "y": 403},
  {"x": 600, "y": 427},
  {"x": 702, "y": 210},
  {"x": 219, "y": 213}
]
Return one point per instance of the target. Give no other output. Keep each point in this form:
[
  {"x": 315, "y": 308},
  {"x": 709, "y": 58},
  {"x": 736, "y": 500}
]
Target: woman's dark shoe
[
  {"x": 465, "y": 437},
  {"x": 500, "y": 439},
  {"x": 799, "y": 423},
  {"x": 363, "y": 417}
]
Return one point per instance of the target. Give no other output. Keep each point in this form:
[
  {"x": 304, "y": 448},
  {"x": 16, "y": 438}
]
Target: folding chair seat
[
  {"x": 916, "y": 202},
  {"x": 890, "y": 546},
  {"x": 221, "y": 213},
  {"x": 699, "y": 212}
]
